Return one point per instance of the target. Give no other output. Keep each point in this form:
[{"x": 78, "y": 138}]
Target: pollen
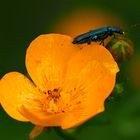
[
  {"x": 51, "y": 103},
  {"x": 61, "y": 101}
]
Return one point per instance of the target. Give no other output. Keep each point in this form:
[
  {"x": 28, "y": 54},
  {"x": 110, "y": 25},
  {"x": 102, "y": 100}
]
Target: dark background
[{"x": 22, "y": 21}]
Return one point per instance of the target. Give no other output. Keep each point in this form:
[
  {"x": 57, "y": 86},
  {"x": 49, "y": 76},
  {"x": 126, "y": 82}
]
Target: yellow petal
[
  {"x": 47, "y": 58},
  {"x": 39, "y": 117},
  {"x": 88, "y": 53},
  {"x": 95, "y": 70},
  {"x": 14, "y": 88}
]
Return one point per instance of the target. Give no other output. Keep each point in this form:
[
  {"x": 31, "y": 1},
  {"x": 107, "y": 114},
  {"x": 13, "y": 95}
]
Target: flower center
[
  {"x": 54, "y": 94},
  {"x": 61, "y": 100},
  {"x": 52, "y": 103}
]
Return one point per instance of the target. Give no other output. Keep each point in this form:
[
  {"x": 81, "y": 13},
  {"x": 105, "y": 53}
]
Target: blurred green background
[{"x": 22, "y": 21}]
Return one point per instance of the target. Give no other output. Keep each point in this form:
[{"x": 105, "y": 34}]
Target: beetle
[{"x": 99, "y": 34}]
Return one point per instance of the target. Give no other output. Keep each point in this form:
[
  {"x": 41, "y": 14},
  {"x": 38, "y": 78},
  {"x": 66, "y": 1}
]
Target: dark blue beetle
[{"x": 97, "y": 35}]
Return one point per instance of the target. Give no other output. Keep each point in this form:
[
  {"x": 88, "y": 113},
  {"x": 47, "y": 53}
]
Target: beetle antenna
[
  {"x": 135, "y": 25},
  {"x": 128, "y": 29}
]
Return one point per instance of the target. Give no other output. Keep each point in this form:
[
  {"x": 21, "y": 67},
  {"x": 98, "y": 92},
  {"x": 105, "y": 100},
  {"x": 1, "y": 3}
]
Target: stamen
[
  {"x": 54, "y": 94},
  {"x": 51, "y": 105},
  {"x": 62, "y": 101}
]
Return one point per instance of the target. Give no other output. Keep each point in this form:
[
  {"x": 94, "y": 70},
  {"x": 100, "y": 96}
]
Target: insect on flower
[
  {"x": 69, "y": 84},
  {"x": 97, "y": 35}
]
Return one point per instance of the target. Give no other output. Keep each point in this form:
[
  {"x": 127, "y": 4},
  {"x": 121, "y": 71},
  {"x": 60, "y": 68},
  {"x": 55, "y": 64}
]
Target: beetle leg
[
  {"x": 102, "y": 42},
  {"x": 89, "y": 41}
]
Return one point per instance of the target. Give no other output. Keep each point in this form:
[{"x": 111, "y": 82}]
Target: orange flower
[{"x": 70, "y": 83}]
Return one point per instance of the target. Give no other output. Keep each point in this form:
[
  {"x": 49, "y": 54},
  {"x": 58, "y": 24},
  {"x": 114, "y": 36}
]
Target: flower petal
[
  {"x": 47, "y": 58},
  {"x": 88, "y": 53},
  {"x": 40, "y": 117},
  {"x": 14, "y": 87},
  {"x": 95, "y": 70}
]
